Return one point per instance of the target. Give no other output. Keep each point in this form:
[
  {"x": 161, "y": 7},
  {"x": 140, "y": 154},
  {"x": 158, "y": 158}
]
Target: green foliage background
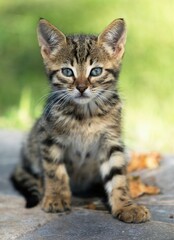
[{"x": 146, "y": 82}]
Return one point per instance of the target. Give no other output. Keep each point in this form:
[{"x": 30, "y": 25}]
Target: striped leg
[
  {"x": 29, "y": 185},
  {"x": 57, "y": 195},
  {"x": 114, "y": 177}
]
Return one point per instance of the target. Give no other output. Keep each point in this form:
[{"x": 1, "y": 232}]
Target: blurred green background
[{"x": 146, "y": 81}]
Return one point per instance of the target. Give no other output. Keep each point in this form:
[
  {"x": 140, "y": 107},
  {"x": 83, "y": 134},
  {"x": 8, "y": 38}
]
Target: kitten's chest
[
  {"x": 82, "y": 139},
  {"x": 82, "y": 163},
  {"x": 83, "y": 144},
  {"x": 82, "y": 151}
]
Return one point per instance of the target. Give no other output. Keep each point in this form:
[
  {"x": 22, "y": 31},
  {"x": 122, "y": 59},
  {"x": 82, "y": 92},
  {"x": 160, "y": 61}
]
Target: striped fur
[{"x": 77, "y": 142}]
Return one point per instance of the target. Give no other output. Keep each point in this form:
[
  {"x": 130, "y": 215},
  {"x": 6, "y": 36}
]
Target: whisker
[
  {"x": 42, "y": 98},
  {"x": 99, "y": 100},
  {"x": 47, "y": 95},
  {"x": 67, "y": 97},
  {"x": 104, "y": 90},
  {"x": 55, "y": 101},
  {"x": 48, "y": 107},
  {"x": 104, "y": 99}
]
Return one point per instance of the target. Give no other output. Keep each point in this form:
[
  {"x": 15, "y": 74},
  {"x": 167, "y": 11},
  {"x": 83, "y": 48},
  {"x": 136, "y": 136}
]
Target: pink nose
[{"x": 81, "y": 88}]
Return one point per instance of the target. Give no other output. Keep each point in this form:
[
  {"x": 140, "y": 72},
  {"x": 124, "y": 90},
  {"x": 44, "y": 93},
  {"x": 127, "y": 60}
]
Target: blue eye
[
  {"x": 67, "y": 72},
  {"x": 96, "y": 71}
]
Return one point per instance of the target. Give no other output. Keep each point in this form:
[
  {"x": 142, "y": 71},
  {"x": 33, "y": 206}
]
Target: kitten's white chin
[{"x": 82, "y": 100}]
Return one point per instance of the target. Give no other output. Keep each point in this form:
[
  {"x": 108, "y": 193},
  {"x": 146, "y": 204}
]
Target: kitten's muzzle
[
  {"x": 81, "y": 88},
  {"x": 83, "y": 96}
]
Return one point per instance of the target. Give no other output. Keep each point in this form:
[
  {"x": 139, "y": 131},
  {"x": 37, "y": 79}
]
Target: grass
[{"x": 146, "y": 82}]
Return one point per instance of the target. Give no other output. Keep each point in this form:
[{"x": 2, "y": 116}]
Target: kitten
[{"x": 77, "y": 141}]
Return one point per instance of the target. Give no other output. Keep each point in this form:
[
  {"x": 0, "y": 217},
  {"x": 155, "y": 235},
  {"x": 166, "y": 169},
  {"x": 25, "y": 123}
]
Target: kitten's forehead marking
[
  {"x": 85, "y": 68},
  {"x": 82, "y": 62},
  {"x": 82, "y": 45}
]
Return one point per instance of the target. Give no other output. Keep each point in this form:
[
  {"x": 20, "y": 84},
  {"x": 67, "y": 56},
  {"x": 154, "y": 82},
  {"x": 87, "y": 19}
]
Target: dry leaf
[
  {"x": 137, "y": 188},
  {"x": 143, "y": 160},
  {"x": 96, "y": 205},
  {"x": 91, "y": 206}
]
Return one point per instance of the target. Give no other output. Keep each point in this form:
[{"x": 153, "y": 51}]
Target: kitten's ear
[
  {"x": 113, "y": 38},
  {"x": 50, "y": 38}
]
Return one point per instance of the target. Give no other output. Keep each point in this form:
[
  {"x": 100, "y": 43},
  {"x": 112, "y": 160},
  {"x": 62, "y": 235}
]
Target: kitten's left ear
[{"x": 113, "y": 38}]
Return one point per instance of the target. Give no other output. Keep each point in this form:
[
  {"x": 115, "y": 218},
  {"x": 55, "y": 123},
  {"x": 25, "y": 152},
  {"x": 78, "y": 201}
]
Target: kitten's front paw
[
  {"x": 56, "y": 204},
  {"x": 133, "y": 214}
]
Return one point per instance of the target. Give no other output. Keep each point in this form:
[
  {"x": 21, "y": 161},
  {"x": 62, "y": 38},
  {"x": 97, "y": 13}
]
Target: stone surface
[{"x": 17, "y": 222}]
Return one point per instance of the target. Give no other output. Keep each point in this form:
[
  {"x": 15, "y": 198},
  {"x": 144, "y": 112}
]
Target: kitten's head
[{"x": 82, "y": 67}]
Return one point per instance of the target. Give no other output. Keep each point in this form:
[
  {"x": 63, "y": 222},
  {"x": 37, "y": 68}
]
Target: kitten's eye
[
  {"x": 67, "y": 72},
  {"x": 96, "y": 72}
]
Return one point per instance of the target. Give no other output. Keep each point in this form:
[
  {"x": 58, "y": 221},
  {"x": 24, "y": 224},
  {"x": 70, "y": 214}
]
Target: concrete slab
[
  {"x": 17, "y": 222},
  {"x": 84, "y": 225}
]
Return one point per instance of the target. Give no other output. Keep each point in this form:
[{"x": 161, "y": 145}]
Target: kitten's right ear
[
  {"x": 113, "y": 38},
  {"x": 50, "y": 38}
]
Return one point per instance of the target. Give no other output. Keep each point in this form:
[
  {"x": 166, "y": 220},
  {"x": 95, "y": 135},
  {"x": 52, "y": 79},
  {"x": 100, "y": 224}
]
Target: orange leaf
[
  {"x": 137, "y": 188},
  {"x": 140, "y": 161}
]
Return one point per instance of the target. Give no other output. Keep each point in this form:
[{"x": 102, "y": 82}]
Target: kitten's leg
[
  {"x": 57, "y": 195},
  {"x": 29, "y": 185},
  {"x": 113, "y": 172}
]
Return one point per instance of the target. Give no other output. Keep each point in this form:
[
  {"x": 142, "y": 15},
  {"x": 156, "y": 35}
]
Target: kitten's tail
[{"x": 28, "y": 185}]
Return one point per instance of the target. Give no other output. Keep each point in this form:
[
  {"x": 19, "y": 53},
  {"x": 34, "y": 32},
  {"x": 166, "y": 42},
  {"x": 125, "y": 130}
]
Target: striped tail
[{"x": 28, "y": 185}]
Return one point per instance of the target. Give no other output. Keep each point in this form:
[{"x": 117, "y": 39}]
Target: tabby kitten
[{"x": 77, "y": 141}]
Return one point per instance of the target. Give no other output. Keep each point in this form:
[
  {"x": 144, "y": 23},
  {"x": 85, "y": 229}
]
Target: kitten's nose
[{"x": 81, "y": 88}]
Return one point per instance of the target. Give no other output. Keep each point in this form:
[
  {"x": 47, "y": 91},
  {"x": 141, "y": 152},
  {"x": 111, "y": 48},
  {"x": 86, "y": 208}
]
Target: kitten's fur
[{"x": 77, "y": 141}]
